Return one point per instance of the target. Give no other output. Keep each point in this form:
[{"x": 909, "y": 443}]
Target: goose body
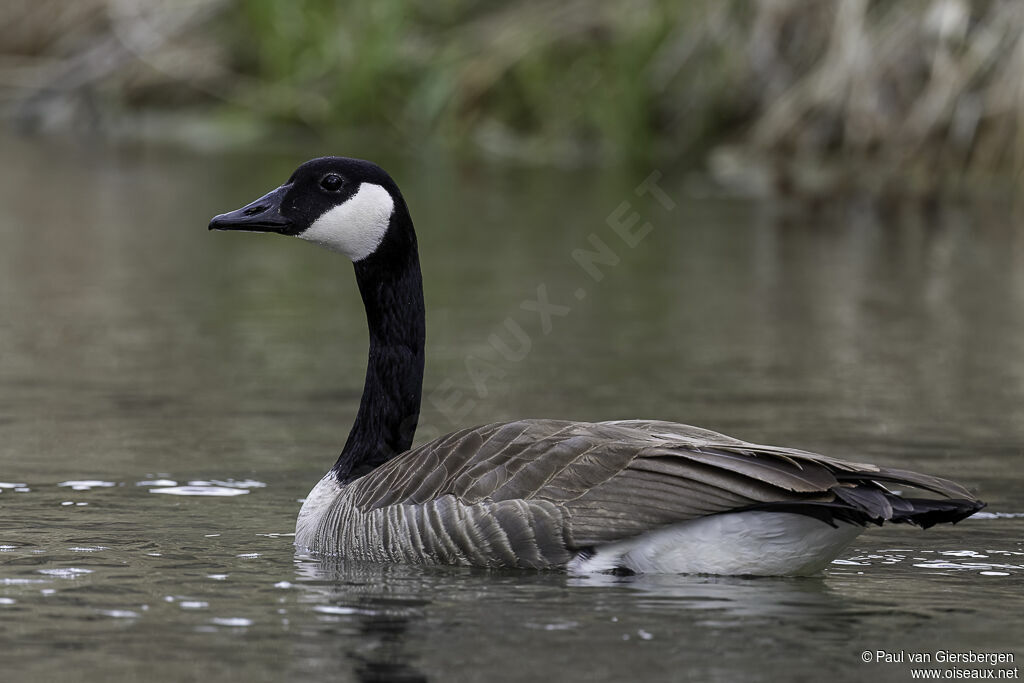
[{"x": 624, "y": 496}]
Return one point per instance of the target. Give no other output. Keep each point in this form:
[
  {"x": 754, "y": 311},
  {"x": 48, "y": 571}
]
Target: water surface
[{"x": 167, "y": 396}]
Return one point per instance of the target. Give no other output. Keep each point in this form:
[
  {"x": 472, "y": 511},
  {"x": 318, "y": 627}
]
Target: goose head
[{"x": 346, "y": 205}]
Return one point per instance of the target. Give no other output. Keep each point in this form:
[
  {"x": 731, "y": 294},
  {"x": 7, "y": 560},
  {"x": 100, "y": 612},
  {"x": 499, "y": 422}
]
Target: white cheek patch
[{"x": 356, "y": 227}]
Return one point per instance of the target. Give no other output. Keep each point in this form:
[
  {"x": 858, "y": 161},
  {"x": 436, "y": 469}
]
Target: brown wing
[{"x": 613, "y": 480}]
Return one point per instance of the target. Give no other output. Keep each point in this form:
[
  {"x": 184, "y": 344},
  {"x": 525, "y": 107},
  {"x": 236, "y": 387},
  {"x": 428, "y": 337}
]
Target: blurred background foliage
[{"x": 790, "y": 97}]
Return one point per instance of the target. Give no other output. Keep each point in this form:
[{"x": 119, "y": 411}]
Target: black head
[{"x": 346, "y": 205}]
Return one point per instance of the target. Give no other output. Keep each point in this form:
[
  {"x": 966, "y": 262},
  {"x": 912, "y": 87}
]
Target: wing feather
[{"x": 540, "y": 486}]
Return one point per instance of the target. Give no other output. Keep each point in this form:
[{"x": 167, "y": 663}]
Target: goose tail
[
  {"x": 863, "y": 497},
  {"x": 878, "y": 505},
  {"x": 869, "y": 491}
]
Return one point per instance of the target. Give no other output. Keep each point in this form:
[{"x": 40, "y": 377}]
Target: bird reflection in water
[
  {"x": 383, "y": 610},
  {"x": 389, "y": 661}
]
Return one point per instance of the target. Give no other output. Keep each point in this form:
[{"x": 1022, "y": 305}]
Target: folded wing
[{"x": 612, "y": 480}]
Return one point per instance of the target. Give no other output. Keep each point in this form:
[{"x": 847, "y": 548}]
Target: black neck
[{"x": 392, "y": 290}]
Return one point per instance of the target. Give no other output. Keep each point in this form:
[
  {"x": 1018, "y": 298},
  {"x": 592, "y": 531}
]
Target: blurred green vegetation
[
  {"x": 558, "y": 82},
  {"x": 772, "y": 96}
]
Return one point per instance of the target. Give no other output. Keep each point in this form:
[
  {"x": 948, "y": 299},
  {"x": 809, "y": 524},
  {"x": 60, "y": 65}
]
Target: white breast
[{"x": 356, "y": 227}]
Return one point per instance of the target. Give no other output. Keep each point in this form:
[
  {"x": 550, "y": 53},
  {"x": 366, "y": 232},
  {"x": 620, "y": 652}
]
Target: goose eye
[{"x": 332, "y": 182}]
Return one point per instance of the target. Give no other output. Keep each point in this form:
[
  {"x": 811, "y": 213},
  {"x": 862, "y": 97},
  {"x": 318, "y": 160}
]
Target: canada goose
[{"x": 625, "y": 496}]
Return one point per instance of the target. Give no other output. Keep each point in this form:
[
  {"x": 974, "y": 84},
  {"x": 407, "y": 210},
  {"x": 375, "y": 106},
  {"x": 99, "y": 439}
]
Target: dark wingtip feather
[
  {"x": 926, "y": 512},
  {"x": 863, "y": 492},
  {"x": 869, "y": 505}
]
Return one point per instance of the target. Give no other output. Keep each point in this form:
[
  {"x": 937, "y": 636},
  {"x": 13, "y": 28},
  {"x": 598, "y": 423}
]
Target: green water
[{"x": 139, "y": 352}]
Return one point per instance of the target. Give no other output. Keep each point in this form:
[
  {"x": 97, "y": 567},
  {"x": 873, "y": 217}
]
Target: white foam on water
[
  {"x": 554, "y": 626},
  {"x": 996, "y": 515},
  {"x": 962, "y": 553},
  {"x": 65, "y": 572},
  {"x": 230, "y": 483},
  {"x": 200, "y": 491},
  {"x": 940, "y": 564},
  {"x": 119, "y": 613},
  {"x": 86, "y": 484},
  {"x": 334, "y": 609}
]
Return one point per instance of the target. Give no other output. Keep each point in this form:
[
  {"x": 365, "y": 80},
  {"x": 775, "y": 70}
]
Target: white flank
[
  {"x": 356, "y": 227},
  {"x": 740, "y": 543}
]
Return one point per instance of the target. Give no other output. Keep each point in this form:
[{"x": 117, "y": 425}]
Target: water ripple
[{"x": 957, "y": 560}]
